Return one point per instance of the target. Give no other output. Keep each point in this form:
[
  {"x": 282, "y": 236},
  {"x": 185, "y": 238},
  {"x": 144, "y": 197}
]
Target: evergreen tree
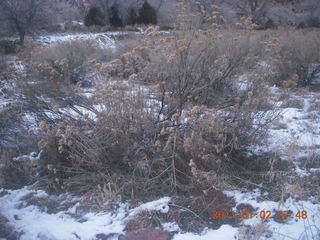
[
  {"x": 147, "y": 14},
  {"x": 133, "y": 16},
  {"x": 94, "y": 17},
  {"x": 115, "y": 19}
]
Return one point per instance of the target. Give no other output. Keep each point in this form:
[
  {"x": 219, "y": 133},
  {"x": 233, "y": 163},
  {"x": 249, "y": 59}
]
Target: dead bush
[
  {"x": 74, "y": 54},
  {"x": 295, "y": 58},
  {"x": 14, "y": 174},
  {"x": 114, "y": 149},
  {"x": 171, "y": 119},
  {"x": 9, "y": 47},
  {"x": 54, "y": 79},
  {"x": 198, "y": 67}
]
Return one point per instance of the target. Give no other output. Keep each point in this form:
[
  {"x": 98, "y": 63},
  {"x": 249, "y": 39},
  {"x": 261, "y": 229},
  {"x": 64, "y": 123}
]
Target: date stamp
[{"x": 250, "y": 214}]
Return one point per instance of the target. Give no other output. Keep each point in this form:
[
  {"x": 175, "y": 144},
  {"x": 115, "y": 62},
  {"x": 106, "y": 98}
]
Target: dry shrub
[
  {"x": 26, "y": 52},
  {"x": 180, "y": 136},
  {"x": 294, "y": 55},
  {"x": 10, "y": 118},
  {"x": 63, "y": 63},
  {"x": 197, "y": 67},
  {"x": 145, "y": 220},
  {"x": 119, "y": 144},
  {"x": 76, "y": 52},
  {"x": 54, "y": 77},
  {"x": 15, "y": 174}
]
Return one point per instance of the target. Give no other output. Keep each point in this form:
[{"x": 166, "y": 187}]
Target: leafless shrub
[
  {"x": 76, "y": 53},
  {"x": 183, "y": 133},
  {"x": 119, "y": 144},
  {"x": 11, "y": 126},
  {"x": 14, "y": 174},
  {"x": 295, "y": 57},
  {"x": 54, "y": 78}
]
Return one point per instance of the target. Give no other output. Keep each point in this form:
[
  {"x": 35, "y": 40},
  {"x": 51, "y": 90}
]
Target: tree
[
  {"x": 24, "y": 16},
  {"x": 132, "y": 16},
  {"x": 256, "y": 9},
  {"x": 115, "y": 19},
  {"x": 147, "y": 14},
  {"x": 94, "y": 17}
]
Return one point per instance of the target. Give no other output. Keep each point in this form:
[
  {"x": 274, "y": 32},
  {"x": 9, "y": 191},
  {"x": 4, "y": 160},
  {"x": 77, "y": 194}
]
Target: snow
[
  {"x": 299, "y": 134},
  {"x": 37, "y": 224},
  {"x": 171, "y": 227},
  {"x": 30, "y": 159},
  {"x": 295, "y": 228},
  {"x": 161, "y": 205},
  {"x": 104, "y": 40},
  {"x": 243, "y": 83},
  {"x": 225, "y": 232}
]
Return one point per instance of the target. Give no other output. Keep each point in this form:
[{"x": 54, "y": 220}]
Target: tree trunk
[{"x": 22, "y": 35}]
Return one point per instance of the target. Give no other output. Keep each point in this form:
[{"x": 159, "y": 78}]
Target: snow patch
[
  {"x": 225, "y": 232},
  {"x": 294, "y": 228},
  {"x": 104, "y": 40},
  {"x": 37, "y": 224}
]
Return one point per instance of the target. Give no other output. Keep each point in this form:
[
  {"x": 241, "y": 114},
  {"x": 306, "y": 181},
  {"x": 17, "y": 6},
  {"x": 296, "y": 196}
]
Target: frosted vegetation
[{"x": 121, "y": 130}]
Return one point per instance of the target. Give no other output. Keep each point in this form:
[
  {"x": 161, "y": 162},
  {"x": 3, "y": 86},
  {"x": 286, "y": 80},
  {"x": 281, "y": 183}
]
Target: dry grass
[{"x": 294, "y": 55}]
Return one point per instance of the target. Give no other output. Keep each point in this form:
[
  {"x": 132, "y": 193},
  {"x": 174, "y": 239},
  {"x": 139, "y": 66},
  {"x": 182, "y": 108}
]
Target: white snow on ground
[
  {"x": 294, "y": 228},
  {"x": 296, "y": 133},
  {"x": 161, "y": 205},
  {"x": 171, "y": 227},
  {"x": 104, "y": 40},
  {"x": 36, "y": 224},
  {"x": 225, "y": 232},
  {"x": 297, "y": 127}
]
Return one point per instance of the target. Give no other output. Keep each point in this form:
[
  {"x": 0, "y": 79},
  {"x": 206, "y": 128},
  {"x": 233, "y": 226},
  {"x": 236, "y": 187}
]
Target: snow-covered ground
[
  {"x": 68, "y": 222},
  {"x": 294, "y": 227},
  {"x": 104, "y": 40}
]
